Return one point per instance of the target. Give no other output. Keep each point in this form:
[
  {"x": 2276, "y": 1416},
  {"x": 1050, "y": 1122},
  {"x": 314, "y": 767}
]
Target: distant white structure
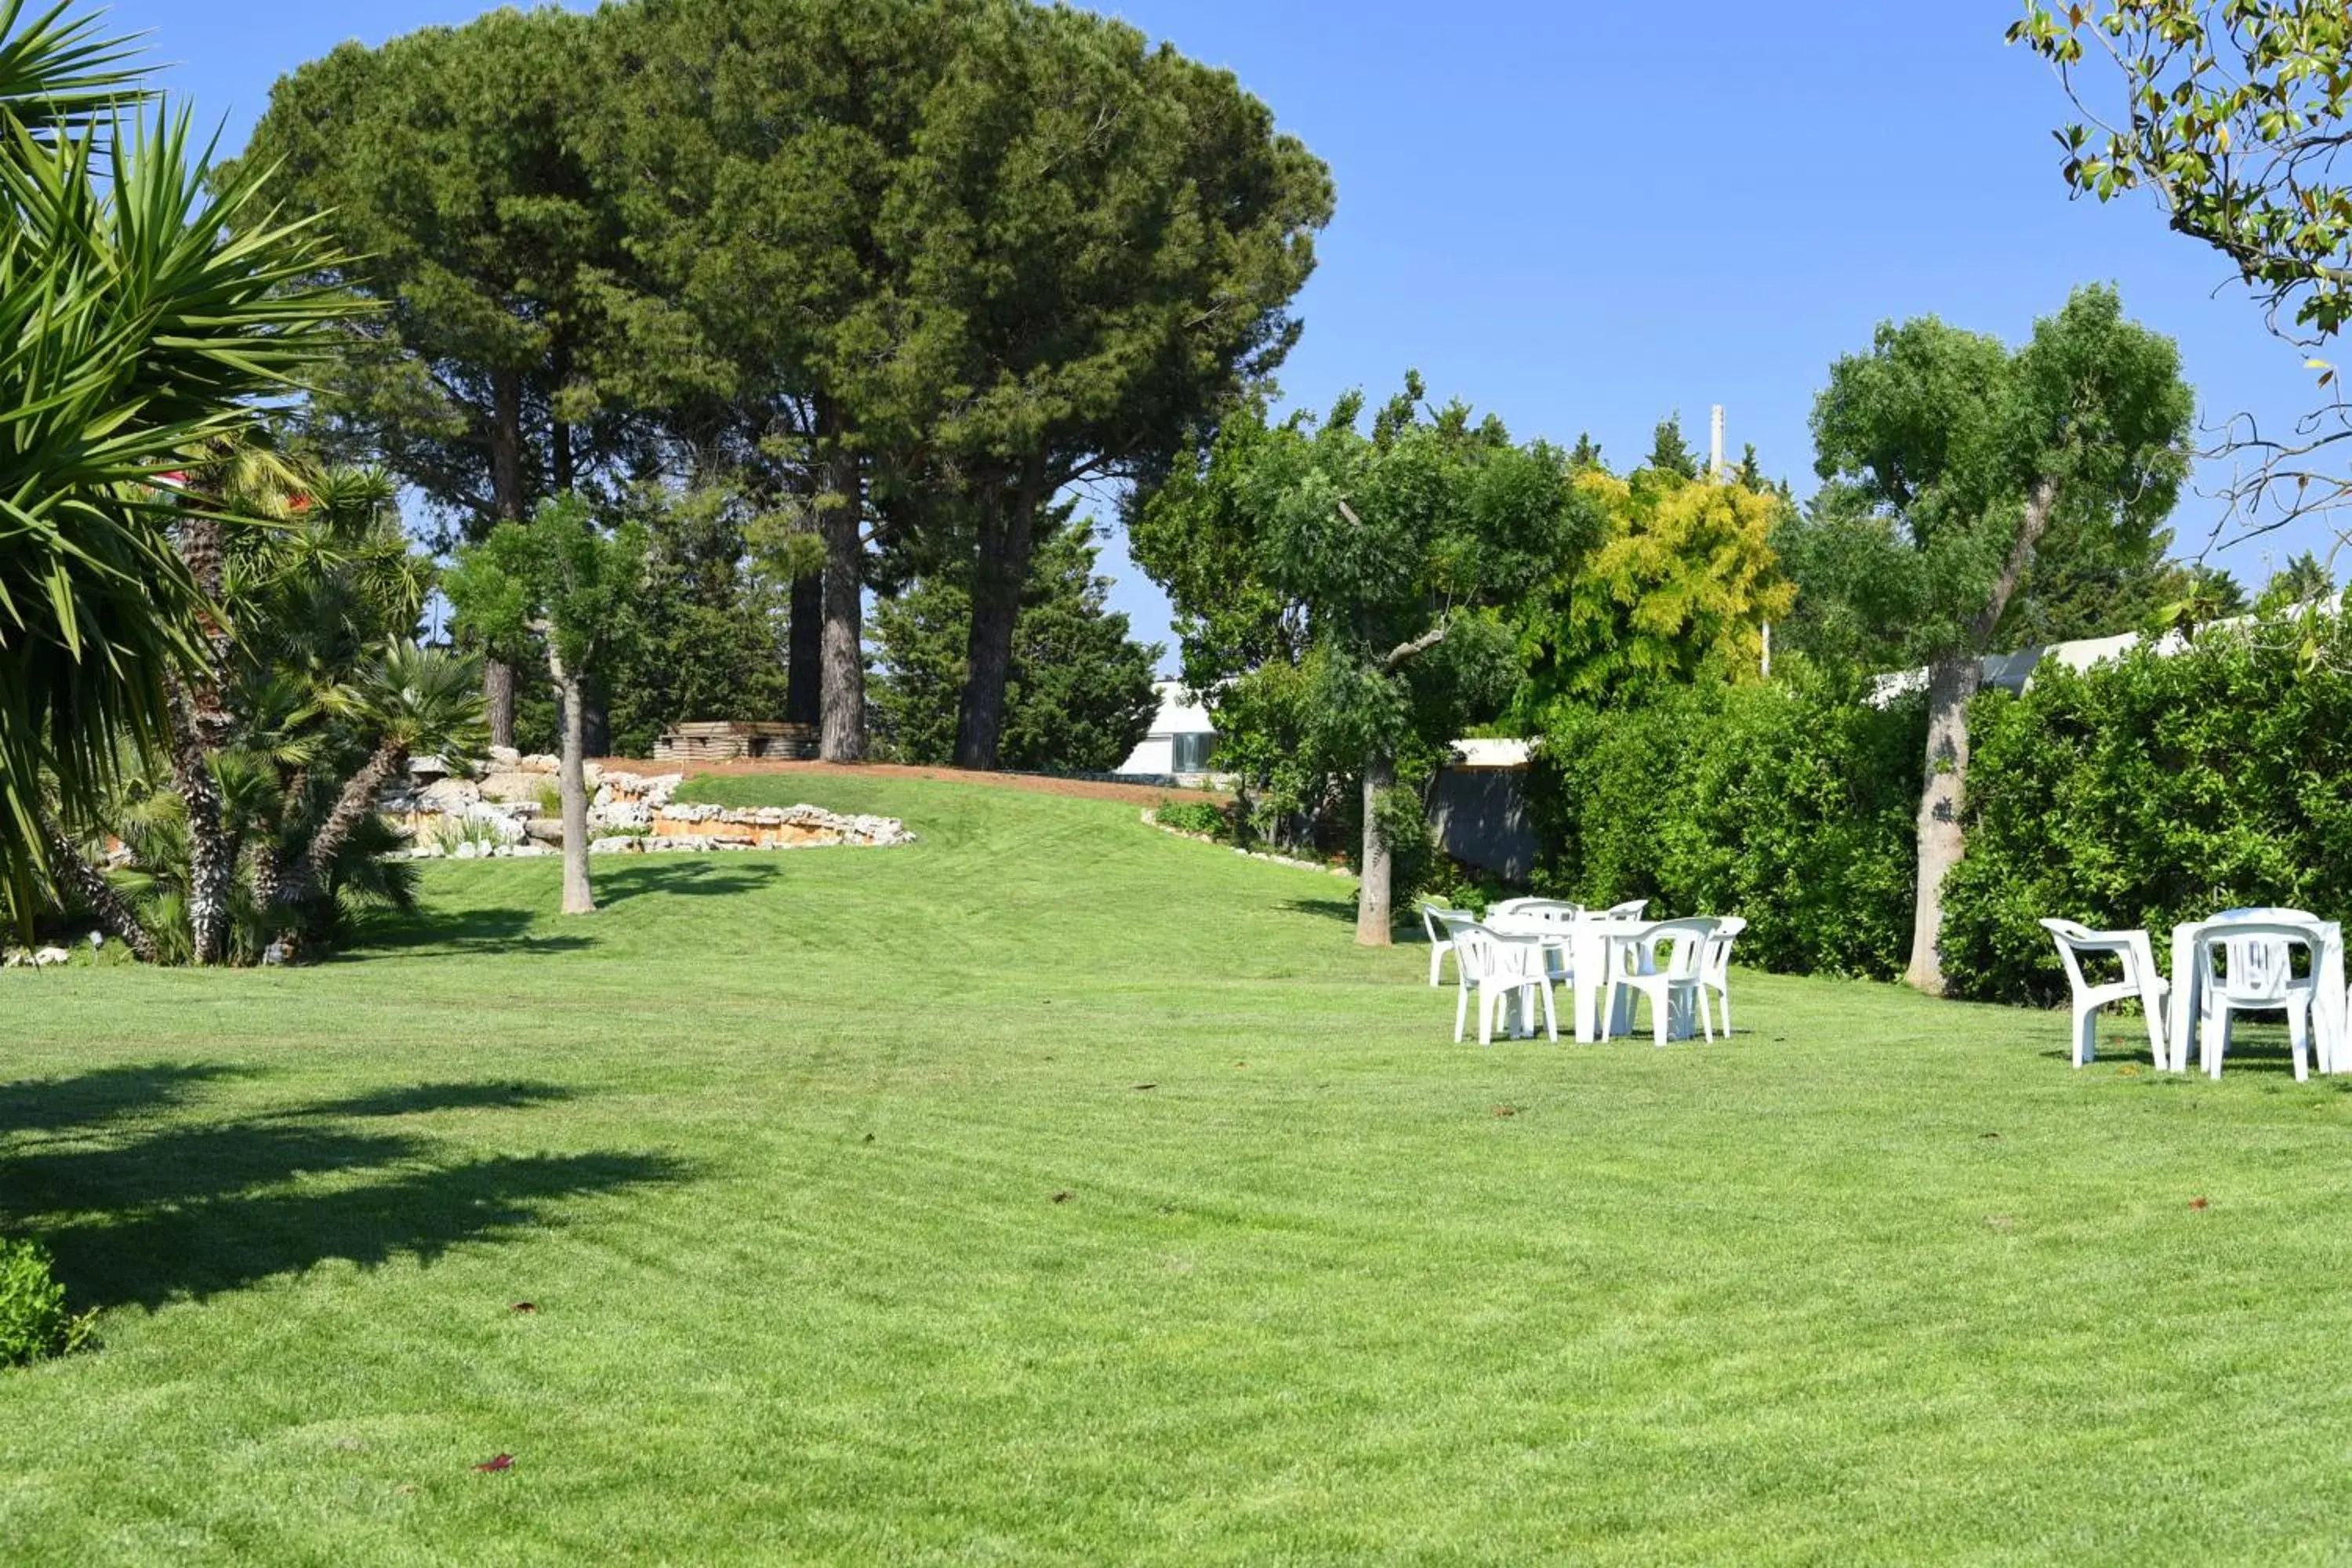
[
  {"x": 1183, "y": 739},
  {"x": 2014, "y": 671}
]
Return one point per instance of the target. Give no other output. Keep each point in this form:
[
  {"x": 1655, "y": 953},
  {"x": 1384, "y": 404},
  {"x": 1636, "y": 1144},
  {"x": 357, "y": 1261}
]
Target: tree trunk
[
  {"x": 579, "y": 898},
  {"x": 309, "y": 876},
  {"x": 1000, "y": 573},
  {"x": 1951, "y": 682},
  {"x": 804, "y": 667},
  {"x": 202, "y": 726},
  {"x": 212, "y": 868},
  {"x": 595, "y": 720},
  {"x": 840, "y": 523},
  {"x": 87, "y": 882},
  {"x": 498, "y": 700},
  {"x": 507, "y": 495},
  {"x": 1372, "y": 917}
]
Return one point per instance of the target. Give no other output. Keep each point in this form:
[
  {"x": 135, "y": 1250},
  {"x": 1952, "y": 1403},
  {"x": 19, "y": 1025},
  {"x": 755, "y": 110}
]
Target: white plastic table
[
  {"x": 1586, "y": 941},
  {"x": 2327, "y": 1020}
]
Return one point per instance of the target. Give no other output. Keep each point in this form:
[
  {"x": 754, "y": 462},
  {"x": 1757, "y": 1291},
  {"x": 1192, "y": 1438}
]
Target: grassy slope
[{"x": 775, "y": 1142}]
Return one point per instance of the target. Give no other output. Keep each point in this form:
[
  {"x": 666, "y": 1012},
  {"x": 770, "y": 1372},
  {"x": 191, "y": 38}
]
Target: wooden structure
[{"x": 728, "y": 742}]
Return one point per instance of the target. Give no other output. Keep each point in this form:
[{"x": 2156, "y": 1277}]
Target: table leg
[{"x": 2184, "y": 993}]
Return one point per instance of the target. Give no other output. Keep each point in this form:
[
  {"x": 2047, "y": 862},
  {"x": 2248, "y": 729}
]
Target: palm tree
[
  {"x": 145, "y": 313},
  {"x": 416, "y": 701}
]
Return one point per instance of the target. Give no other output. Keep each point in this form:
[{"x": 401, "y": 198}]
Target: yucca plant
[{"x": 141, "y": 318}]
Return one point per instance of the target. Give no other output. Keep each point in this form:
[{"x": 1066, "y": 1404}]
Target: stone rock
[
  {"x": 49, "y": 955},
  {"x": 616, "y": 843},
  {"x": 466, "y": 851},
  {"x": 448, "y": 795},
  {"x": 504, "y": 756},
  {"x": 544, "y": 829},
  {"x": 531, "y": 851},
  {"x": 512, "y": 785}
]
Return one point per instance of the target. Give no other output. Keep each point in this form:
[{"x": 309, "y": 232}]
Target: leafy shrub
[
  {"x": 1201, "y": 816},
  {"x": 1790, "y": 804},
  {"x": 1403, "y": 819},
  {"x": 2148, "y": 791},
  {"x": 34, "y": 1321}
]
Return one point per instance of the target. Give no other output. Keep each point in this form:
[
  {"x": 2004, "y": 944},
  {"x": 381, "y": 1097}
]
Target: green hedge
[
  {"x": 1790, "y": 806},
  {"x": 2150, "y": 790},
  {"x": 2147, "y": 790}
]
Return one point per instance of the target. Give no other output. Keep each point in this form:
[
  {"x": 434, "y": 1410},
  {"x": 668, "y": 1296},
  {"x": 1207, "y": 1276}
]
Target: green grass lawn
[{"x": 1056, "y": 1190}]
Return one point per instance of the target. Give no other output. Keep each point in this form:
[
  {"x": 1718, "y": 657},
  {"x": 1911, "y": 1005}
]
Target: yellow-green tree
[{"x": 1678, "y": 591}]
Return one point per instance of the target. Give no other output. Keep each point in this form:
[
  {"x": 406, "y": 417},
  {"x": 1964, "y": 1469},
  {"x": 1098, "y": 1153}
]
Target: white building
[{"x": 1182, "y": 739}]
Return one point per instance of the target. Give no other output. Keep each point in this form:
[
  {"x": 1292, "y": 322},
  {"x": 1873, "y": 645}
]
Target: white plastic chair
[
  {"x": 1505, "y": 973},
  {"x": 1715, "y": 969},
  {"x": 1630, "y": 910},
  {"x": 2141, "y": 980},
  {"x": 1441, "y": 942},
  {"x": 2256, "y": 975},
  {"x": 1670, "y": 983}
]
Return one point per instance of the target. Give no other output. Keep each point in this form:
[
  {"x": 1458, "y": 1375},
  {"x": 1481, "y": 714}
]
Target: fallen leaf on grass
[
  {"x": 869, "y": 1137},
  {"x": 2130, "y": 1069},
  {"x": 1144, "y": 1086},
  {"x": 497, "y": 1462},
  {"x": 351, "y": 1445},
  {"x": 2197, "y": 1203},
  {"x": 2000, "y": 1222},
  {"x": 1506, "y": 1110},
  {"x": 1064, "y": 1197},
  {"x": 524, "y": 1307},
  {"x": 1988, "y": 1135}
]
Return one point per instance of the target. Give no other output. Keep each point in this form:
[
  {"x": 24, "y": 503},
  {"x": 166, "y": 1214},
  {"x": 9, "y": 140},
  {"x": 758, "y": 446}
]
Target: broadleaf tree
[
  {"x": 2233, "y": 116},
  {"x": 1345, "y": 580},
  {"x": 1956, "y": 458},
  {"x": 561, "y": 580}
]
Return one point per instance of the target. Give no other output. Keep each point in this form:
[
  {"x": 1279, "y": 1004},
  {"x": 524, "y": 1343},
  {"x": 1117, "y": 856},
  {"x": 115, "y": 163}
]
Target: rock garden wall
[{"x": 510, "y": 807}]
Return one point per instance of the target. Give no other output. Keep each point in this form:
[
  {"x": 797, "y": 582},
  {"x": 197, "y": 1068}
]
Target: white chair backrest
[
  {"x": 1432, "y": 920},
  {"x": 1511, "y": 905},
  {"x": 2258, "y": 955},
  {"x": 1687, "y": 940},
  {"x": 1548, "y": 911},
  {"x": 1630, "y": 910},
  {"x": 2070, "y": 936},
  {"x": 1718, "y": 946},
  {"x": 1484, "y": 954}
]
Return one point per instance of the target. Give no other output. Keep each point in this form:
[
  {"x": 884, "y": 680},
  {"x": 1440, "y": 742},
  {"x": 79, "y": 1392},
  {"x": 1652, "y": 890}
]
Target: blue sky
[{"x": 1583, "y": 215}]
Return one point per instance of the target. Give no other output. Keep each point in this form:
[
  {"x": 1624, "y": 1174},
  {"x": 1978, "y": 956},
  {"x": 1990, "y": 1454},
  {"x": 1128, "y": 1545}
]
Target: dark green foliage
[
  {"x": 2151, "y": 791},
  {"x": 704, "y": 638},
  {"x": 1669, "y": 453},
  {"x": 1789, "y": 804},
  {"x": 34, "y": 1321},
  {"x": 1080, "y": 697}
]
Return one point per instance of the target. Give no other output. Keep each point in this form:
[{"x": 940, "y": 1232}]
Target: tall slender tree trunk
[
  {"x": 1374, "y": 921},
  {"x": 201, "y": 727},
  {"x": 595, "y": 720},
  {"x": 804, "y": 664},
  {"x": 1952, "y": 681},
  {"x": 507, "y": 494},
  {"x": 571, "y": 781},
  {"x": 841, "y": 524},
  {"x": 1000, "y": 573},
  {"x": 498, "y": 700}
]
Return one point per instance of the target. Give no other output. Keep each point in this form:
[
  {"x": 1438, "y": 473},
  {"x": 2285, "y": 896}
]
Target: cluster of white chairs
[
  {"x": 2240, "y": 962},
  {"x": 1507, "y": 964}
]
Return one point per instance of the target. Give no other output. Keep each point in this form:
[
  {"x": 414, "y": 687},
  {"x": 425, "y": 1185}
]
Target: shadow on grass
[
  {"x": 686, "y": 876},
  {"x": 430, "y": 933},
  {"x": 1405, "y": 931},
  {"x": 143, "y": 1210},
  {"x": 101, "y": 1095}
]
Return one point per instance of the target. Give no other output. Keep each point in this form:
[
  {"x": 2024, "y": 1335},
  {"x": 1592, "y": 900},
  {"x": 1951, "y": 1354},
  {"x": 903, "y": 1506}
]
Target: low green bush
[
  {"x": 34, "y": 1321},
  {"x": 1205, "y": 817},
  {"x": 1790, "y": 802}
]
